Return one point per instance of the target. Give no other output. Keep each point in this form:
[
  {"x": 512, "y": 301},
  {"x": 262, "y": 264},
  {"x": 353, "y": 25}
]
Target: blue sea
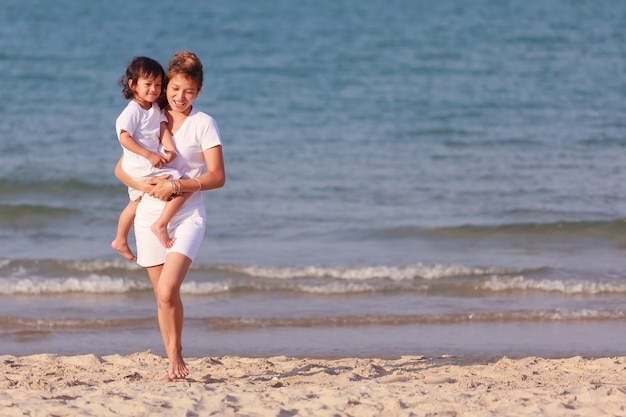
[{"x": 404, "y": 177}]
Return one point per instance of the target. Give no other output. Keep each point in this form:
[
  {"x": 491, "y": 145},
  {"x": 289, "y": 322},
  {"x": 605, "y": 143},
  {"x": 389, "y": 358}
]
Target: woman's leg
[
  {"x": 166, "y": 281},
  {"x": 154, "y": 272}
]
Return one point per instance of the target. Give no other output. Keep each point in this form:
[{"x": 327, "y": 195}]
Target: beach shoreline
[{"x": 114, "y": 385}]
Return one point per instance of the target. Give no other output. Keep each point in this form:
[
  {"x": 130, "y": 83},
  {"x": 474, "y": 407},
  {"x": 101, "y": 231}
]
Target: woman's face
[{"x": 181, "y": 93}]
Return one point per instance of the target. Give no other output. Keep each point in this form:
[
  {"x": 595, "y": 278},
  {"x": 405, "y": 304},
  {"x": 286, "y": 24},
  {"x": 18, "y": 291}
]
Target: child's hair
[{"x": 140, "y": 66}]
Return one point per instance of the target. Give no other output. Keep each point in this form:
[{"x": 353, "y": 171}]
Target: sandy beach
[{"x": 87, "y": 385}]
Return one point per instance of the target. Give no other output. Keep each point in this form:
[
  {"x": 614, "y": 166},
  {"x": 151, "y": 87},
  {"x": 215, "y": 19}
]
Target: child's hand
[
  {"x": 156, "y": 160},
  {"x": 169, "y": 155}
]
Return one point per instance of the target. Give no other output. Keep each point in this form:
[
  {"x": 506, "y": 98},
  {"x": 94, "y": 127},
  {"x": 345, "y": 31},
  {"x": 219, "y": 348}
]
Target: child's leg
[
  {"x": 125, "y": 222},
  {"x": 159, "y": 228}
]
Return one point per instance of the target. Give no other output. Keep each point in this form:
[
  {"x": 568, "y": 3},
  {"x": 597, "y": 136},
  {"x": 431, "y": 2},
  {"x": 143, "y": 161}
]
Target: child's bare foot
[
  {"x": 161, "y": 233},
  {"x": 123, "y": 249}
]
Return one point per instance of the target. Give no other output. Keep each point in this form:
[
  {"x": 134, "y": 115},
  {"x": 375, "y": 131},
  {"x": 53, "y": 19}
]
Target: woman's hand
[{"x": 160, "y": 187}]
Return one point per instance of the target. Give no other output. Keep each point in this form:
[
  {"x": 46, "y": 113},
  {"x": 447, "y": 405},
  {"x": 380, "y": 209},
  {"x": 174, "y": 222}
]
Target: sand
[{"x": 87, "y": 385}]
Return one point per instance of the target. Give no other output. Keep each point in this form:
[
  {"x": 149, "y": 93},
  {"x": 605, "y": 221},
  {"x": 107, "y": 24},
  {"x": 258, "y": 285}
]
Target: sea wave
[
  {"x": 24, "y": 267},
  {"x": 603, "y": 229},
  {"x": 12, "y": 323},
  {"x": 569, "y": 287},
  {"x": 29, "y": 213},
  {"x": 556, "y": 315},
  {"x": 394, "y": 273},
  {"x": 94, "y": 284},
  {"x": 39, "y": 277},
  {"x": 42, "y": 324},
  {"x": 56, "y": 186},
  {"x": 417, "y": 271}
]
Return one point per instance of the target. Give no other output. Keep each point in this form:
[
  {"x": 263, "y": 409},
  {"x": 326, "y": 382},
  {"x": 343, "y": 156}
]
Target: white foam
[
  {"x": 204, "y": 288},
  {"x": 395, "y": 273},
  {"x": 507, "y": 283},
  {"x": 100, "y": 265},
  {"x": 338, "y": 288},
  {"x": 90, "y": 284}
]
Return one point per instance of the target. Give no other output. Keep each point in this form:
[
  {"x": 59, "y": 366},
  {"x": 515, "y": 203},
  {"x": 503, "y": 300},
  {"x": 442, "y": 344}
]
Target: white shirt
[{"x": 145, "y": 128}]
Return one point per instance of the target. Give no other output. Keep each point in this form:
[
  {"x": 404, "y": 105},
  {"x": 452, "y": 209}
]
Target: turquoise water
[{"x": 402, "y": 177}]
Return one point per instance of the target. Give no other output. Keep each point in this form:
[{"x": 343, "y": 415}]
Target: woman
[{"x": 199, "y": 159}]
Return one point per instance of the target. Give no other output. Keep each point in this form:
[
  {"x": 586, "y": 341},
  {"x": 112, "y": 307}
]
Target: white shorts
[{"x": 187, "y": 227}]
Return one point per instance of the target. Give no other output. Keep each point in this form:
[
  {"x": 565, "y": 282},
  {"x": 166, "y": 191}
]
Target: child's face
[{"x": 147, "y": 90}]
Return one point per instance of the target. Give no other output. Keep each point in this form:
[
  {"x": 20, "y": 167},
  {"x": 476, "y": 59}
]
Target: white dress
[{"x": 198, "y": 133}]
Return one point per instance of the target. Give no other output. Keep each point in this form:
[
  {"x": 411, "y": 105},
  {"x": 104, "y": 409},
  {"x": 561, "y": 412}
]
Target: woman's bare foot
[
  {"x": 162, "y": 235},
  {"x": 177, "y": 369},
  {"x": 124, "y": 250}
]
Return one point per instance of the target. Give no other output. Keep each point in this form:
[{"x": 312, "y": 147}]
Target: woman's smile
[{"x": 181, "y": 93}]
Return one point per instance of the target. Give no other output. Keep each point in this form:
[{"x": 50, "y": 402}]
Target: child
[{"x": 142, "y": 132}]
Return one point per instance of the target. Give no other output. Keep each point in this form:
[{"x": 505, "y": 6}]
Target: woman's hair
[
  {"x": 187, "y": 64},
  {"x": 183, "y": 63},
  {"x": 140, "y": 66}
]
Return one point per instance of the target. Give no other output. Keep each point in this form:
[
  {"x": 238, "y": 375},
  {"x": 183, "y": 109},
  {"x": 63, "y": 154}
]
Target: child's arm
[
  {"x": 127, "y": 141},
  {"x": 167, "y": 142}
]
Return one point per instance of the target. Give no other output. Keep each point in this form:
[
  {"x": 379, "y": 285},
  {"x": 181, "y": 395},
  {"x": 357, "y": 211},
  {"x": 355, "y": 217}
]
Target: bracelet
[
  {"x": 199, "y": 183},
  {"x": 173, "y": 188}
]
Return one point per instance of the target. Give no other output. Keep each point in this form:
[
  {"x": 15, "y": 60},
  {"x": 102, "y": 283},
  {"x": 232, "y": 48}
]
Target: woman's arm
[
  {"x": 214, "y": 177},
  {"x": 128, "y": 181}
]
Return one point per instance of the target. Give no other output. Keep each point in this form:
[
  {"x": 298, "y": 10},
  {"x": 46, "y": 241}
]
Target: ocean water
[{"x": 403, "y": 177}]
